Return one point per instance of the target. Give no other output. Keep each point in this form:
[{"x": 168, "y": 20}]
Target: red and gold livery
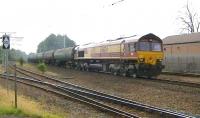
[{"x": 127, "y": 56}]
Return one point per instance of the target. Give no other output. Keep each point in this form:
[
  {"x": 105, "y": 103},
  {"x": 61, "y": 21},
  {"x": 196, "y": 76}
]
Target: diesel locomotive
[{"x": 128, "y": 56}]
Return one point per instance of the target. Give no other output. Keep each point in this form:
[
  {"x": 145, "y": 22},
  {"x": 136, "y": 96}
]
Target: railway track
[
  {"x": 59, "y": 90},
  {"x": 173, "y": 82},
  {"x": 181, "y": 74},
  {"x": 92, "y": 94}
]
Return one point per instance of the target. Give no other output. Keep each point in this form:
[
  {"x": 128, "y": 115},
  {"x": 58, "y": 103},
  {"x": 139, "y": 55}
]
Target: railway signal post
[{"x": 6, "y": 46}]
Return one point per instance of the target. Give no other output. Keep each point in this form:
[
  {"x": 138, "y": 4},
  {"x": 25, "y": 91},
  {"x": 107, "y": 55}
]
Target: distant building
[{"x": 182, "y": 53}]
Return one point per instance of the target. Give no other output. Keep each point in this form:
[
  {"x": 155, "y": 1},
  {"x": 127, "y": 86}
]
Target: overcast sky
[{"x": 87, "y": 21}]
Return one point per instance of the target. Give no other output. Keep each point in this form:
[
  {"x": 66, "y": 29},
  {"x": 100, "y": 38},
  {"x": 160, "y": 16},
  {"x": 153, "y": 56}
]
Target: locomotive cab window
[
  {"x": 144, "y": 46},
  {"x": 80, "y": 53},
  {"x": 131, "y": 47},
  {"x": 156, "y": 46}
]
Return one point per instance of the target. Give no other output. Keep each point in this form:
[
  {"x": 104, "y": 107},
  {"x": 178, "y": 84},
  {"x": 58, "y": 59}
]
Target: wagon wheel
[
  {"x": 114, "y": 72},
  {"x": 149, "y": 77},
  {"x": 134, "y": 75},
  {"x": 124, "y": 73},
  {"x": 87, "y": 69}
]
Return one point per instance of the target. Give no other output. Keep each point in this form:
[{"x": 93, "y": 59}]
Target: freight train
[{"x": 128, "y": 56}]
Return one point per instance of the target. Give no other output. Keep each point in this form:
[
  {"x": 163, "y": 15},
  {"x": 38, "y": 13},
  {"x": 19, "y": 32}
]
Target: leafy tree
[
  {"x": 21, "y": 61},
  {"x": 16, "y": 55},
  {"x": 13, "y": 54},
  {"x": 53, "y": 42}
]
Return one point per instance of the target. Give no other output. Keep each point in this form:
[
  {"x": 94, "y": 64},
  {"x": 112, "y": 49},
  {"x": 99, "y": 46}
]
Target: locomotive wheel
[
  {"x": 149, "y": 77},
  {"x": 87, "y": 69},
  {"x": 134, "y": 76},
  {"x": 79, "y": 69},
  {"x": 115, "y": 73},
  {"x": 76, "y": 68},
  {"x": 124, "y": 74}
]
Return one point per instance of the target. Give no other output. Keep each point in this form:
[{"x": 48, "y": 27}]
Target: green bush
[
  {"x": 21, "y": 61},
  {"x": 42, "y": 67}
]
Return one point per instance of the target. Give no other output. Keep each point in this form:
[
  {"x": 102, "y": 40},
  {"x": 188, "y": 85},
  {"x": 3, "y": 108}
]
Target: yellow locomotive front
[{"x": 150, "y": 55}]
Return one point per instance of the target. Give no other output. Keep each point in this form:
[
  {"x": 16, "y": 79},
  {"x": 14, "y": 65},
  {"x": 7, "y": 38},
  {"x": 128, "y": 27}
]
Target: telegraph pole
[
  {"x": 15, "y": 87},
  {"x": 64, "y": 41},
  {"x": 6, "y": 47}
]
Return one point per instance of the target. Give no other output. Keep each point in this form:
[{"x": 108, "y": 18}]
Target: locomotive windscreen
[
  {"x": 156, "y": 46},
  {"x": 149, "y": 42},
  {"x": 149, "y": 46}
]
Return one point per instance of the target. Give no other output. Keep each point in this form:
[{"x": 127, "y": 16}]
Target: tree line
[
  {"x": 53, "y": 42},
  {"x": 13, "y": 54}
]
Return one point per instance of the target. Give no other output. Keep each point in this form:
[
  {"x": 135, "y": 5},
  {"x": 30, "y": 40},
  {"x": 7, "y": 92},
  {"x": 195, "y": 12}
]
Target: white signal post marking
[{"x": 6, "y": 42}]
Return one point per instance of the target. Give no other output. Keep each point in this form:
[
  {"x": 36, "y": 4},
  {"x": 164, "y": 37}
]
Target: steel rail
[
  {"x": 175, "y": 82},
  {"x": 181, "y": 74}
]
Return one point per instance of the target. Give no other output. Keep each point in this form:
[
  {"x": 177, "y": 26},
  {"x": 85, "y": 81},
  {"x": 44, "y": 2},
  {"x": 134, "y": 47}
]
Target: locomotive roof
[
  {"x": 184, "y": 38},
  {"x": 108, "y": 42},
  {"x": 134, "y": 38}
]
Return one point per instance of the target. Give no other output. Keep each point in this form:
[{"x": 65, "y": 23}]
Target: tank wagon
[
  {"x": 32, "y": 57},
  {"x": 64, "y": 56},
  {"x": 39, "y": 57},
  {"x": 133, "y": 56},
  {"x": 48, "y": 57},
  {"x": 182, "y": 53}
]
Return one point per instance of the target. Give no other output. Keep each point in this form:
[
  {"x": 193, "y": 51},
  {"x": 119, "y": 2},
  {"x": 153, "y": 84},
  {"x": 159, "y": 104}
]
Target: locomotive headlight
[
  {"x": 141, "y": 59},
  {"x": 159, "y": 60}
]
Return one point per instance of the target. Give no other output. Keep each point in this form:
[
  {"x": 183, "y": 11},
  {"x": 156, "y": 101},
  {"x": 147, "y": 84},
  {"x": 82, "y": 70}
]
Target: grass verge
[{"x": 26, "y": 107}]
